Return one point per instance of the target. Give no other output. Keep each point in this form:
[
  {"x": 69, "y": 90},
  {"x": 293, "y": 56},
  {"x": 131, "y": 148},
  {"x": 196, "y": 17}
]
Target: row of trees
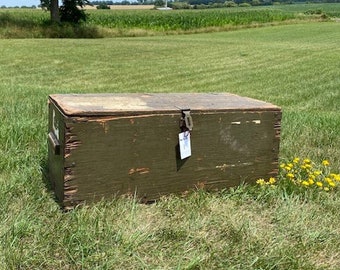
[
  {"x": 206, "y": 2},
  {"x": 69, "y": 10},
  {"x": 251, "y": 2},
  {"x": 28, "y": 7},
  {"x": 123, "y": 2}
]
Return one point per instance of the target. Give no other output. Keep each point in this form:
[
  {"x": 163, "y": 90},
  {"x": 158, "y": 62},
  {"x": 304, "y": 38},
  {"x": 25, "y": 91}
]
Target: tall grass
[
  {"x": 25, "y": 23},
  {"x": 29, "y": 23},
  {"x": 294, "y": 66}
]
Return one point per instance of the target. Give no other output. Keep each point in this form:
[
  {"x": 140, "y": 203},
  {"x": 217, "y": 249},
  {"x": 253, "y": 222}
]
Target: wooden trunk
[{"x": 103, "y": 145}]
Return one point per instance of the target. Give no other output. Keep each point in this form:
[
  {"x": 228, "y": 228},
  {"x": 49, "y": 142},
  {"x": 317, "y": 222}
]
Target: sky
[{"x": 13, "y": 3}]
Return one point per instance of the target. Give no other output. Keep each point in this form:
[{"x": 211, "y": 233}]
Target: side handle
[{"x": 54, "y": 143}]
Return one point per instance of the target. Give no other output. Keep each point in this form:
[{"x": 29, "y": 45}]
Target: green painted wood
[
  {"x": 109, "y": 155},
  {"x": 56, "y": 160}
]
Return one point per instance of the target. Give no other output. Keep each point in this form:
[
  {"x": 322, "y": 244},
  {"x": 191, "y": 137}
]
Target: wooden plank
[
  {"x": 127, "y": 155},
  {"x": 134, "y": 104}
]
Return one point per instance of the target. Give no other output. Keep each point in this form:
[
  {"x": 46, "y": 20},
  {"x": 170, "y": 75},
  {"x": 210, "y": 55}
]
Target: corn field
[
  {"x": 35, "y": 23},
  {"x": 184, "y": 19}
]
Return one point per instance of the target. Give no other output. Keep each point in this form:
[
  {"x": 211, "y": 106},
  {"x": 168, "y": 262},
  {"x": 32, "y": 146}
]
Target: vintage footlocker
[{"x": 149, "y": 145}]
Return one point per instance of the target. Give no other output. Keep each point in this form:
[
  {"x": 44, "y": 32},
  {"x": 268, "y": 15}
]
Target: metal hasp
[{"x": 186, "y": 117}]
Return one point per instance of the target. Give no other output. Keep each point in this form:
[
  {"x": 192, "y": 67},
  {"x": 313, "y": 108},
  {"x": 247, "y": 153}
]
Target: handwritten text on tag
[{"x": 184, "y": 144}]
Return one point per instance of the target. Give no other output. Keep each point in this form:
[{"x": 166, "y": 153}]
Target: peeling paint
[
  {"x": 68, "y": 178},
  {"x": 71, "y": 143},
  {"x": 232, "y": 141},
  {"x": 71, "y": 146},
  {"x": 69, "y": 191},
  {"x": 224, "y": 166},
  {"x": 257, "y": 122},
  {"x": 104, "y": 125},
  {"x": 130, "y": 117},
  {"x": 201, "y": 184},
  {"x": 277, "y": 128},
  {"x": 139, "y": 170}
]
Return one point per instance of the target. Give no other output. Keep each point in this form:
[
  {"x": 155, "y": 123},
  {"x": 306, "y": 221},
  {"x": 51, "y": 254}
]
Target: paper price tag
[{"x": 184, "y": 144}]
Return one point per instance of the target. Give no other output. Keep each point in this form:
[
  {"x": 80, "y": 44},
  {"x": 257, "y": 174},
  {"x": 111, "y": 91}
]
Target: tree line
[
  {"x": 69, "y": 10},
  {"x": 207, "y": 2}
]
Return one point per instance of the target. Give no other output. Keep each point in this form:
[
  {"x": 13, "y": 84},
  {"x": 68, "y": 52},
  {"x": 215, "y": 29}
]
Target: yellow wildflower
[
  {"x": 261, "y": 182},
  {"x": 272, "y": 180},
  {"x": 325, "y": 162},
  {"x": 303, "y": 167},
  {"x": 306, "y": 161},
  {"x": 337, "y": 177},
  {"x": 310, "y": 181},
  {"x": 326, "y": 189},
  {"x": 316, "y": 173},
  {"x": 282, "y": 165},
  {"x": 331, "y": 183},
  {"x": 288, "y": 168},
  {"x": 319, "y": 184},
  {"x": 308, "y": 166},
  {"x": 296, "y": 160},
  {"x": 290, "y": 165},
  {"x": 290, "y": 175},
  {"x": 311, "y": 176},
  {"x": 305, "y": 183}
]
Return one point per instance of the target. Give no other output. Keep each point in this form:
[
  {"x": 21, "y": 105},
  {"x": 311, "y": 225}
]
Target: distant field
[
  {"x": 123, "y": 7},
  {"x": 142, "y": 21}
]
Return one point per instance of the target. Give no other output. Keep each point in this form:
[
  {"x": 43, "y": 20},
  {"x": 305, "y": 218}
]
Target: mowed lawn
[{"x": 294, "y": 66}]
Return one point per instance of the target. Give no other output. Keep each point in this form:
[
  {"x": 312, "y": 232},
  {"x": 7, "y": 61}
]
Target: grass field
[{"x": 294, "y": 66}]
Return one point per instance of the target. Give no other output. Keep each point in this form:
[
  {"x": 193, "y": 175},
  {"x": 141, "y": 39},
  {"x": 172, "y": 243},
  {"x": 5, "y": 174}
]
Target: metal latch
[{"x": 186, "y": 120}]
